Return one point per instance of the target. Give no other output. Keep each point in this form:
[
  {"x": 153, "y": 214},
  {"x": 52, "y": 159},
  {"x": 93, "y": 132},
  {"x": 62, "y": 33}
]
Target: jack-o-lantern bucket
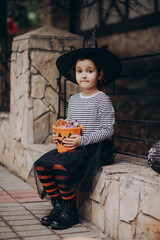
[{"x": 64, "y": 132}]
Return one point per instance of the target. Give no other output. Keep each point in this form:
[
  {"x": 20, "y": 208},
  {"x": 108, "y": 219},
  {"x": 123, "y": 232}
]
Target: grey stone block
[
  {"x": 2, "y": 224},
  {"x": 28, "y": 227},
  {"x": 33, "y": 233},
  {"x": 40, "y": 211},
  {"x": 5, "y": 229},
  {"x": 23, "y": 222},
  {"x": 33, "y": 206},
  {"x": 72, "y": 230},
  {"x": 84, "y": 234},
  {"x": 11, "y": 208},
  {"x": 8, "y": 235},
  {"x": 47, "y": 237},
  {"x": 15, "y": 213},
  {"x": 3, "y": 205},
  {"x": 21, "y": 217}
]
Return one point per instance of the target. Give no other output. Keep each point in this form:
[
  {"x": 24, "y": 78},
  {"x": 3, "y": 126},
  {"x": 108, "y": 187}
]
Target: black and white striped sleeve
[
  {"x": 69, "y": 115},
  {"x": 106, "y": 127}
]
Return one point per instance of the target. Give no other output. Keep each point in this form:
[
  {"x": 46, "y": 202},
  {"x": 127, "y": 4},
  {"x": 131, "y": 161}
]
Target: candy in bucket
[{"x": 64, "y": 130}]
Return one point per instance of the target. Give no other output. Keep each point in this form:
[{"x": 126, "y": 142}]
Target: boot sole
[
  {"x": 60, "y": 227},
  {"x": 45, "y": 223}
]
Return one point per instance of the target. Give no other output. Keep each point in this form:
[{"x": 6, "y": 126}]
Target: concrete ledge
[
  {"x": 125, "y": 201},
  {"x": 35, "y": 151},
  {"x": 42, "y": 148}
]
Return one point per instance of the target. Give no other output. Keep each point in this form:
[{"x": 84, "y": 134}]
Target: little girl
[{"x": 61, "y": 174}]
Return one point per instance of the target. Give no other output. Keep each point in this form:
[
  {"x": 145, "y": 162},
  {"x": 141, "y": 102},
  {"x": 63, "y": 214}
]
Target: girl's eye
[
  {"x": 90, "y": 71},
  {"x": 79, "y": 71}
]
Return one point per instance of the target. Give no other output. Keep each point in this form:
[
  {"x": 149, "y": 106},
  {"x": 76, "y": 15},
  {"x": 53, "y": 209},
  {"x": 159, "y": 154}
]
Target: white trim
[{"x": 90, "y": 95}]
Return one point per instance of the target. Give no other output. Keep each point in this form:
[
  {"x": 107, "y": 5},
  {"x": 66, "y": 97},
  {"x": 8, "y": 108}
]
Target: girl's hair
[{"x": 97, "y": 63}]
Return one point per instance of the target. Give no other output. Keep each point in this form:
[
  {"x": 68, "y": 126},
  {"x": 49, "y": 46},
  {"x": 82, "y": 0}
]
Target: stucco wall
[{"x": 133, "y": 43}]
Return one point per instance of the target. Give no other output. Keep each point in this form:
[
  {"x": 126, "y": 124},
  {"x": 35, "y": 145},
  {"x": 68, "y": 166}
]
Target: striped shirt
[{"x": 95, "y": 113}]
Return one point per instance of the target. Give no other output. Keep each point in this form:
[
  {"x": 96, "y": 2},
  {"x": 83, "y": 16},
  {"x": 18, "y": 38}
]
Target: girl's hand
[
  {"x": 72, "y": 142},
  {"x": 54, "y": 138}
]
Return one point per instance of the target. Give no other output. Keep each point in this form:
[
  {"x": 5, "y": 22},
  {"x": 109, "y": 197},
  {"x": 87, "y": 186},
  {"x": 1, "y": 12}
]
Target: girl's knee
[
  {"x": 37, "y": 163},
  {"x": 41, "y": 161},
  {"x": 59, "y": 167}
]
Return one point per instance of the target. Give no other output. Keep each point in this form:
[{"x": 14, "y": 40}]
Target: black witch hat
[{"x": 110, "y": 62}]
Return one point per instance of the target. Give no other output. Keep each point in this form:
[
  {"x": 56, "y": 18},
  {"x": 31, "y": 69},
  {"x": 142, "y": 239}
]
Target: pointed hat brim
[{"x": 111, "y": 63}]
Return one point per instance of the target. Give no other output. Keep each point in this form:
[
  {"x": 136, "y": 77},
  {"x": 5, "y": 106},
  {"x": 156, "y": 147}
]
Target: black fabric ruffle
[{"x": 82, "y": 164}]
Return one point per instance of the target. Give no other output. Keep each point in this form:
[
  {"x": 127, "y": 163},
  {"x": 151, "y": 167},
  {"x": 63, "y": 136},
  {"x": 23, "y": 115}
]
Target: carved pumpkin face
[
  {"x": 60, "y": 138},
  {"x": 63, "y": 133}
]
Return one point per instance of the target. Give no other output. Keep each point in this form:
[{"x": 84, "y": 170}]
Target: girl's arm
[
  {"x": 107, "y": 119},
  {"x": 97, "y": 136}
]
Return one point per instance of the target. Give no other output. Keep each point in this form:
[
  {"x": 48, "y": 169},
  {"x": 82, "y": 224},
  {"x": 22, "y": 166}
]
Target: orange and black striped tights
[{"x": 55, "y": 181}]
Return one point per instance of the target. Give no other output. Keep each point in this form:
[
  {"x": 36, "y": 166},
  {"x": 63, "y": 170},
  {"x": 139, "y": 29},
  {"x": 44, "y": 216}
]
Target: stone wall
[
  {"x": 34, "y": 91},
  {"x": 5, "y": 137},
  {"x": 125, "y": 201}
]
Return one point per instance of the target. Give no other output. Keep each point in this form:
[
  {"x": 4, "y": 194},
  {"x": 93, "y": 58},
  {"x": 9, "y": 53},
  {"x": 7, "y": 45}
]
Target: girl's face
[{"x": 87, "y": 75}]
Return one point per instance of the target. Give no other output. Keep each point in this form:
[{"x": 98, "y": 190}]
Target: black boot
[
  {"x": 68, "y": 217},
  {"x": 55, "y": 213}
]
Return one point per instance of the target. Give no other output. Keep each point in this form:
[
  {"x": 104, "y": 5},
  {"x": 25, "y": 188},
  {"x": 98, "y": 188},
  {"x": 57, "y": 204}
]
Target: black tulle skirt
[{"x": 82, "y": 164}]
